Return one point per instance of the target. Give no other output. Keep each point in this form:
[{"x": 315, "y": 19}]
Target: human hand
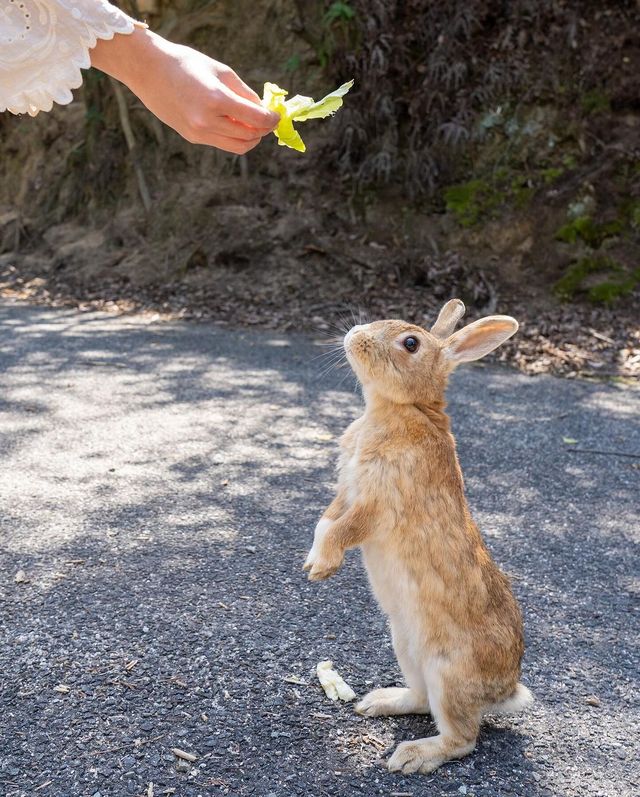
[{"x": 202, "y": 99}]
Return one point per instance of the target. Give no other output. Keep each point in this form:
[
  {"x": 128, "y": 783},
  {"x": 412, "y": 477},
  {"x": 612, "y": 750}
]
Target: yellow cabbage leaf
[{"x": 299, "y": 109}]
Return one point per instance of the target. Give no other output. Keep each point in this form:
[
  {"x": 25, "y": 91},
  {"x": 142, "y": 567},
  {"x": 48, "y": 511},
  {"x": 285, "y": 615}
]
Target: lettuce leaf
[{"x": 299, "y": 109}]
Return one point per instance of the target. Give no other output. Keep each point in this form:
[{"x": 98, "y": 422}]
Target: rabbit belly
[
  {"x": 393, "y": 588},
  {"x": 397, "y": 596}
]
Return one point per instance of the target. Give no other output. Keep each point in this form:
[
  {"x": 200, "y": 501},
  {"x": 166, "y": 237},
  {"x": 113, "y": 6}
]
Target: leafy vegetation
[
  {"x": 610, "y": 283},
  {"x": 584, "y": 228},
  {"x": 428, "y": 74},
  {"x": 470, "y": 201}
]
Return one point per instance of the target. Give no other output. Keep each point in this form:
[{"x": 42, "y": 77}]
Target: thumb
[{"x": 249, "y": 112}]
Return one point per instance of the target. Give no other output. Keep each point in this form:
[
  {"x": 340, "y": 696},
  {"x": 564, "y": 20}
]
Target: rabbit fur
[{"x": 455, "y": 624}]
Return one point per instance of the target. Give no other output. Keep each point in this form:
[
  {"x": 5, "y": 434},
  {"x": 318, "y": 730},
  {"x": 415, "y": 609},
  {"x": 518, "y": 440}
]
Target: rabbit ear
[
  {"x": 447, "y": 319},
  {"x": 479, "y": 338}
]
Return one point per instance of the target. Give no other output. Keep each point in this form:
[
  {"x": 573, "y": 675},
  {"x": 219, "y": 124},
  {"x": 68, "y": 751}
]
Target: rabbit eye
[{"x": 411, "y": 344}]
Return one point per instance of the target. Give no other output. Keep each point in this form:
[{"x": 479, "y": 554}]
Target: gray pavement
[{"x": 160, "y": 483}]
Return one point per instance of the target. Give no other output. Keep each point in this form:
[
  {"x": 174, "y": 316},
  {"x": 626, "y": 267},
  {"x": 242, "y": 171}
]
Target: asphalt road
[{"x": 159, "y": 487}]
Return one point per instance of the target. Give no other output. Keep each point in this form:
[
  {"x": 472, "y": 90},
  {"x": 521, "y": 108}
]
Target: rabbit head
[{"x": 406, "y": 364}]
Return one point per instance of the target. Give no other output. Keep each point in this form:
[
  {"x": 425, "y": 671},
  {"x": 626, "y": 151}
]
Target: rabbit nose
[{"x": 353, "y": 330}]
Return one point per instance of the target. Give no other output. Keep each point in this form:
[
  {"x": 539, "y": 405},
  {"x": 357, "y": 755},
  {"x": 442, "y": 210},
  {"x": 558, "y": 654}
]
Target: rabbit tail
[{"x": 520, "y": 699}]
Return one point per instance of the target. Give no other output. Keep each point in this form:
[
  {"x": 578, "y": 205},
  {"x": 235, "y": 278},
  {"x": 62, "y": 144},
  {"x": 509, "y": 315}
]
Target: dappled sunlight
[{"x": 619, "y": 401}]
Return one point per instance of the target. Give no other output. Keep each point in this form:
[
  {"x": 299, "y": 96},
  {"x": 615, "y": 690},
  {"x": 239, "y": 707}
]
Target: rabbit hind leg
[
  {"x": 394, "y": 700},
  {"x": 458, "y": 723}
]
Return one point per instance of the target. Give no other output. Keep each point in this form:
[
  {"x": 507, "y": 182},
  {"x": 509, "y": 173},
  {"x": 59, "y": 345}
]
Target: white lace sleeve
[{"x": 45, "y": 43}]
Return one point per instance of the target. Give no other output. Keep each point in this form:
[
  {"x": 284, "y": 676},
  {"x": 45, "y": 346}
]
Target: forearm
[
  {"x": 337, "y": 507},
  {"x": 350, "y": 529},
  {"x": 333, "y": 538}
]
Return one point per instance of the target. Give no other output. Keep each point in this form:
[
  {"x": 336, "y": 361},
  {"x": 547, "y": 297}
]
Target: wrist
[{"x": 126, "y": 56}]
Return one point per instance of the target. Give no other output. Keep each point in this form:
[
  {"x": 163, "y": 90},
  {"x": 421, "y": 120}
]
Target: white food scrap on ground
[{"x": 333, "y": 684}]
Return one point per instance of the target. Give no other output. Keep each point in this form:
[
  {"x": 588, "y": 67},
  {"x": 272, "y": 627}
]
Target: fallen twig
[
  {"x": 178, "y": 753},
  {"x": 126, "y": 746},
  {"x": 601, "y": 337}
]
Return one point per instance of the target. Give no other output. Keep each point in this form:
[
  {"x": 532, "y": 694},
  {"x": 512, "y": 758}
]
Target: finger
[
  {"x": 226, "y": 143},
  {"x": 238, "y": 86},
  {"x": 247, "y": 112},
  {"x": 229, "y": 127}
]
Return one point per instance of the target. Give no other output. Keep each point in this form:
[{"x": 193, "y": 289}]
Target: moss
[
  {"x": 551, "y": 174},
  {"x": 469, "y": 201},
  {"x": 522, "y": 190},
  {"x": 584, "y": 228},
  {"x": 608, "y": 291},
  {"x": 616, "y": 281},
  {"x": 631, "y": 211},
  {"x": 594, "y": 102}
]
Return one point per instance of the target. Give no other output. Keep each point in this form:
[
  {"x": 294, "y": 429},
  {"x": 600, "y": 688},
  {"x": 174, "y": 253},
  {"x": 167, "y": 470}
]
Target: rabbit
[{"x": 456, "y": 627}]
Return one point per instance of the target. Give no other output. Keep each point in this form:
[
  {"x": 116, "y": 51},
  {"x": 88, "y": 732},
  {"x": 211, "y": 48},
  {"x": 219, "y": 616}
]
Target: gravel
[{"x": 161, "y": 481}]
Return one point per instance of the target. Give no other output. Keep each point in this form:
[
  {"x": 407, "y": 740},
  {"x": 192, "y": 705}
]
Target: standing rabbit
[{"x": 456, "y": 626}]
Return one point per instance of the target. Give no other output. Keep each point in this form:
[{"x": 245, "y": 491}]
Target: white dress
[{"x": 45, "y": 43}]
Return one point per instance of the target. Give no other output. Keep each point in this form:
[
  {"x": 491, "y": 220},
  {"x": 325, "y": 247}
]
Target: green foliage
[
  {"x": 339, "y": 12},
  {"x": 430, "y": 84},
  {"x": 594, "y": 102},
  {"x": 475, "y": 200},
  {"x": 337, "y": 32},
  {"x": 469, "y": 201},
  {"x": 631, "y": 211},
  {"x": 584, "y": 228},
  {"x": 551, "y": 174},
  {"x": 292, "y": 63},
  {"x": 521, "y": 191},
  {"x": 616, "y": 281}
]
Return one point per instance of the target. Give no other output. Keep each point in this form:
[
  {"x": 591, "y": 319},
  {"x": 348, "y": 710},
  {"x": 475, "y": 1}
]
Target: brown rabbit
[{"x": 456, "y": 626}]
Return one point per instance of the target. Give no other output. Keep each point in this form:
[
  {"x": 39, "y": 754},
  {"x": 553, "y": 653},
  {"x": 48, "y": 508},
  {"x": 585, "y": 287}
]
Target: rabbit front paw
[
  {"x": 324, "y": 558},
  {"x": 322, "y": 563}
]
